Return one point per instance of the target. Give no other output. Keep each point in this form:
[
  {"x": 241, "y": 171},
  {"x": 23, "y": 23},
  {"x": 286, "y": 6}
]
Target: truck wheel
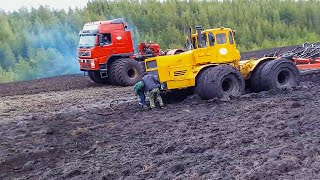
[
  {"x": 96, "y": 77},
  {"x": 280, "y": 74},
  {"x": 221, "y": 81},
  {"x": 128, "y": 72},
  {"x": 256, "y": 80},
  {"x": 112, "y": 70}
]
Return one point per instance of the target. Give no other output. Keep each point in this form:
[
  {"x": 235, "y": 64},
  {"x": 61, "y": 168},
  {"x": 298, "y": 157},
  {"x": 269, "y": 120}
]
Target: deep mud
[
  {"x": 75, "y": 134},
  {"x": 60, "y": 83}
]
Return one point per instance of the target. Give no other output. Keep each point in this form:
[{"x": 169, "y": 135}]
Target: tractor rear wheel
[
  {"x": 96, "y": 77},
  {"x": 128, "y": 72},
  {"x": 221, "y": 81},
  {"x": 279, "y": 74},
  {"x": 256, "y": 80}
]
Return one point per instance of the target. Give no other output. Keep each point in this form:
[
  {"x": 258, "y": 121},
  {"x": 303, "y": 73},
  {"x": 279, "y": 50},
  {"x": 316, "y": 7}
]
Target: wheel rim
[
  {"x": 132, "y": 73},
  {"x": 283, "y": 77},
  {"x": 227, "y": 85}
]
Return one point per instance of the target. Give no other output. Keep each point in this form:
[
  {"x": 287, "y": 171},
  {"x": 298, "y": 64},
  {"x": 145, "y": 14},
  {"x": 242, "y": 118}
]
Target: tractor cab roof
[{"x": 217, "y": 29}]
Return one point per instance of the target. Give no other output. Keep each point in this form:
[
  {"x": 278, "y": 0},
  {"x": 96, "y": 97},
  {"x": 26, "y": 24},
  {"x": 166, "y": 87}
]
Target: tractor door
[
  {"x": 203, "y": 55},
  {"x": 225, "y": 48}
]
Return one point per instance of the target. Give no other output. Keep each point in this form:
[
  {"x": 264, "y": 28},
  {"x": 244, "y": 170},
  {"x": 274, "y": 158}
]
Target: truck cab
[{"x": 102, "y": 40}]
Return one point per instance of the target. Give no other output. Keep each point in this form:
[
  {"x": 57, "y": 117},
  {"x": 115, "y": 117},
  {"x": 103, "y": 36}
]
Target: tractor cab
[
  {"x": 213, "y": 45},
  {"x": 205, "y": 48}
]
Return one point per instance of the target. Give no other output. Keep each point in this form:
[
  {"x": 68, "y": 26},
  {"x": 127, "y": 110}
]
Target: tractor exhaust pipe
[{"x": 199, "y": 30}]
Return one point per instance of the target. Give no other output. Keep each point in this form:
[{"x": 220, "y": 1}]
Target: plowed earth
[{"x": 64, "y": 128}]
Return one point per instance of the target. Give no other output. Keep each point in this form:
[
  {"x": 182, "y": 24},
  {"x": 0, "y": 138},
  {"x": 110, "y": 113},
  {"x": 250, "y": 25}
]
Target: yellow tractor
[{"x": 212, "y": 68}]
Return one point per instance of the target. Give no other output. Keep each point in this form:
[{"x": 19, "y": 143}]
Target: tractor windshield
[{"x": 87, "y": 41}]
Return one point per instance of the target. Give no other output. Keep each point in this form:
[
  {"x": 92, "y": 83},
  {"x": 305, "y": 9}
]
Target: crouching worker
[
  {"x": 139, "y": 91},
  {"x": 151, "y": 88}
]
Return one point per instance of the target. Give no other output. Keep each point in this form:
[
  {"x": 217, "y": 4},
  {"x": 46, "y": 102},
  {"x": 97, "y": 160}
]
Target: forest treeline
[{"x": 42, "y": 42}]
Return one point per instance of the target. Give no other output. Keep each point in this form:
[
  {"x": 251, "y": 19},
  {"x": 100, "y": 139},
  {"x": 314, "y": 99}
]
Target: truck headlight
[{"x": 93, "y": 65}]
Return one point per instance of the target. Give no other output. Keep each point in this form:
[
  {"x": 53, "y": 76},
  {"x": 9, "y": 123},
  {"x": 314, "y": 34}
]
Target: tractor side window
[
  {"x": 221, "y": 38},
  {"x": 211, "y": 39},
  {"x": 106, "y": 39},
  {"x": 230, "y": 37},
  {"x": 204, "y": 41}
]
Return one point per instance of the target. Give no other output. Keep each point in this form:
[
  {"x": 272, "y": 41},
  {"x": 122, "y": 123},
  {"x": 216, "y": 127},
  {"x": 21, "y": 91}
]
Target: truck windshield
[{"x": 87, "y": 41}]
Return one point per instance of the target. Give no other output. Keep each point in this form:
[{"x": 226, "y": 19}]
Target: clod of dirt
[
  {"x": 79, "y": 132},
  {"x": 296, "y": 105},
  {"x": 177, "y": 168},
  {"x": 169, "y": 149},
  {"x": 159, "y": 151},
  {"x": 28, "y": 166},
  {"x": 194, "y": 150},
  {"x": 72, "y": 173}
]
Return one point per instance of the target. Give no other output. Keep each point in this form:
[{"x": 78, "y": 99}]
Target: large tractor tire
[
  {"x": 279, "y": 74},
  {"x": 200, "y": 81},
  {"x": 128, "y": 72},
  {"x": 96, "y": 77},
  {"x": 220, "y": 81},
  {"x": 256, "y": 80}
]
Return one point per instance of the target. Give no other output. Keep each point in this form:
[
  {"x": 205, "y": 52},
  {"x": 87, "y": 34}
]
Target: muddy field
[{"x": 64, "y": 128}]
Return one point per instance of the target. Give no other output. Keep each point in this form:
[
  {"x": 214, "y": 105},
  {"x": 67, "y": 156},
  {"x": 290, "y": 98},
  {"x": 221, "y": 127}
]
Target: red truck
[{"x": 106, "y": 53}]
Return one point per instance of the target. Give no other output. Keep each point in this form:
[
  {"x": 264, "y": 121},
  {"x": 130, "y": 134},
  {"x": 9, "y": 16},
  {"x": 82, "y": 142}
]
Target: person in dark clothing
[
  {"x": 139, "y": 91},
  {"x": 152, "y": 89}
]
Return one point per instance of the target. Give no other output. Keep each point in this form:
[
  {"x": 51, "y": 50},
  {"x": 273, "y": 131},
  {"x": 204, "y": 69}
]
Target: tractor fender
[
  {"x": 175, "y": 51},
  {"x": 248, "y": 66},
  {"x": 196, "y": 71}
]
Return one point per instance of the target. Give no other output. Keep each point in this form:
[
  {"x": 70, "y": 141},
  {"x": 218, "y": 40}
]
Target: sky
[{"x": 12, "y": 5}]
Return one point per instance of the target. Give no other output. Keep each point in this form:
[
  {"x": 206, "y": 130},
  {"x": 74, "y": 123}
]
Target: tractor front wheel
[{"x": 220, "y": 81}]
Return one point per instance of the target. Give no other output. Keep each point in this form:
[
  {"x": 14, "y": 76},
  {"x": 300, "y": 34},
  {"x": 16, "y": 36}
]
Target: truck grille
[
  {"x": 85, "y": 53},
  {"x": 180, "y": 73}
]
